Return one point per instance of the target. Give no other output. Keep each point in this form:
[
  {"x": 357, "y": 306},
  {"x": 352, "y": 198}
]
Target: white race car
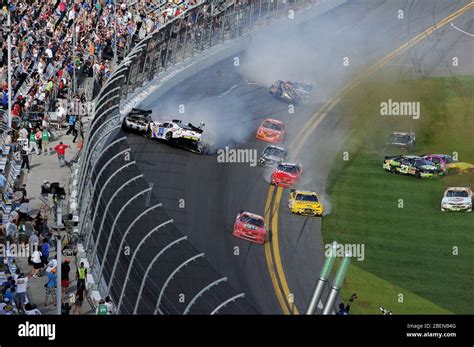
[
  {"x": 137, "y": 120},
  {"x": 174, "y": 130},
  {"x": 457, "y": 199}
]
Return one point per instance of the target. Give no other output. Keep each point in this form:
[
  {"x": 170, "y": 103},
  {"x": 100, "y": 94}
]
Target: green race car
[{"x": 411, "y": 165}]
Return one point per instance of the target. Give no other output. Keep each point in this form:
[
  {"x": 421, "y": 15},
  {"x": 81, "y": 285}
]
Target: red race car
[
  {"x": 271, "y": 130},
  {"x": 287, "y": 174},
  {"x": 250, "y": 227}
]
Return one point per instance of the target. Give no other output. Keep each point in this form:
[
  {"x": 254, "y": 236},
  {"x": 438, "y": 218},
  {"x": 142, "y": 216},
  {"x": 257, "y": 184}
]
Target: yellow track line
[
  {"x": 312, "y": 124},
  {"x": 268, "y": 255},
  {"x": 276, "y": 251}
]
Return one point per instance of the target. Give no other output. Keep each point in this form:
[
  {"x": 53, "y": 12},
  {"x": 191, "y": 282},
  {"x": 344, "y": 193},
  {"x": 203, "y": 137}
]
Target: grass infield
[{"x": 411, "y": 247}]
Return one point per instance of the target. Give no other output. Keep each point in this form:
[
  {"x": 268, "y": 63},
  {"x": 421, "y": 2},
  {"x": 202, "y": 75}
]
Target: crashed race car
[
  {"x": 305, "y": 203},
  {"x": 176, "y": 133},
  {"x": 137, "y": 120},
  {"x": 448, "y": 164},
  {"x": 250, "y": 227},
  {"x": 272, "y": 156},
  {"x": 411, "y": 165},
  {"x": 291, "y": 92},
  {"x": 286, "y": 174},
  {"x": 271, "y": 130},
  {"x": 400, "y": 141},
  {"x": 457, "y": 199}
]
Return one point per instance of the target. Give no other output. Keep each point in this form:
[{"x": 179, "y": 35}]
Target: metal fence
[{"x": 136, "y": 253}]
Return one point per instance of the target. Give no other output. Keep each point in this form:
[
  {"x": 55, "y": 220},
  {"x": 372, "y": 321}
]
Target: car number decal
[{"x": 160, "y": 131}]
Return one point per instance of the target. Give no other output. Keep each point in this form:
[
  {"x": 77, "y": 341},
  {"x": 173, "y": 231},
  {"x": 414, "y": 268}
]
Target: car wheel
[
  {"x": 393, "y": 170},
  {"x": 168, "y": 135},
  {"x": 418, "y": 174}
]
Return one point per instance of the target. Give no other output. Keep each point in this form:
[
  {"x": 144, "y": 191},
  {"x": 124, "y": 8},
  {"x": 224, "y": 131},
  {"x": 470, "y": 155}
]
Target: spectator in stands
[
  {"x": 101, "y": 308},
  {"x": 45, "y": 141},
  {"x": 3, "y": 181},
  {"x": 20, "y": 296},
  {"x": 52, "y": 264},
  {"x": 10, "y": 292},
  {"x": 79, "y": 299},
  {"x": 61, "y": 151},
  {"x": 7, "y": 307},
  {"x": 81, "y": 276},
  {"x": 2, "y": 303},
  {"x": 77, "y": 130},
  {"x": 10, "y": 142},
  {"x": 50, "y": 287},
  {"x": 65, "y": 269},
  {"x": 6, "y": 284},
  {"x": 25, "y": 210},
  {"x": 36, "y": 262},
  {"x": 65, "y": 309},
  {"x": 45, "y": 251},
  {"x": 72, "y": 122},
  {"x": 17, "y": 183},
  {"x": 33, "y": 142},
  {"x": 11, "y": 230},
  {"x": 33, "y": 241},
  {"x": 61, "y": 114},
  {"x": 31, "y": 310},
  {"x": 25, "y": 160},
  {"x": 110, "y": 305}
]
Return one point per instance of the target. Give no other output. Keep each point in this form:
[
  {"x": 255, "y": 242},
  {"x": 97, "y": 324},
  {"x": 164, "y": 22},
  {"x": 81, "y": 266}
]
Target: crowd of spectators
[
  {"x": 54, "y": 40},
  {"x": 53, "y": 44}
]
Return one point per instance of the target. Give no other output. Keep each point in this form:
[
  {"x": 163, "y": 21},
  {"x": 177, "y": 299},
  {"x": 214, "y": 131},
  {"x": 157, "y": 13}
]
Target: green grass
[
  {"x": 409, "y": 247},
  {"x": 385, "y": 293}
]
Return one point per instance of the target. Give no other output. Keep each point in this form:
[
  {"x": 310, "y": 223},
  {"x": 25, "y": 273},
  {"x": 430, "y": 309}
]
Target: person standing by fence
[{"x": 45, "y": 141}]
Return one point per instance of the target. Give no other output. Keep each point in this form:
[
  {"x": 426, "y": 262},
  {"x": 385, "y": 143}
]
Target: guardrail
[{"x": 135, "y": 252}]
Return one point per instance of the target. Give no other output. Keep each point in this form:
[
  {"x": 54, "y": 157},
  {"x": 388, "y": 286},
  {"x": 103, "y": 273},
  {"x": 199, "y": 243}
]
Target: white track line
[{"x": 464, "y": 32}]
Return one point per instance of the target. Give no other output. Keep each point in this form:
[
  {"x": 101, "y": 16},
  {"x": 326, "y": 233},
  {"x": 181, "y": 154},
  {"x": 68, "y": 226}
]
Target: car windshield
[
  {"x": 245, "y": 218},
  {"x": 303, "y": 197},
  {"x": 138, "y": 118},
  {"x": 420, "y": 162},
  {"x": 271, "y": 125},
  {"x": 457, "y": 194},
  {"x": 274, "y": 151},
  {"x": 449, "y": 159},
  {"x": 399, "y": 138},
  {"x": 288, "y": 168}
]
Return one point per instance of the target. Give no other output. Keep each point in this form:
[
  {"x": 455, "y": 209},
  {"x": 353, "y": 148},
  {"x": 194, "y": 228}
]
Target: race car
[
  {"x": 457, "y": 199},
  {"x": 448, "y": 164},
  {"x": 412, "y": 165},
  {"x": 400, "y": 141},
  {"x": 174, "y": 130},
  {"x": 272, "y": 156},
  {"x": 250, "y": 227},
  {"x": 286, "y": 174},
  {"x": 137, "y": 120},
  {"x": 304, "y": 202},
  {"x": 291, "y": 92},
  {"x": 271, "y": 130}
]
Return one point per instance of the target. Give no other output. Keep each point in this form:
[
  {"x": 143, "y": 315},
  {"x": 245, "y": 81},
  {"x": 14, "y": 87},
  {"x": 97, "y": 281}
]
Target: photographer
[{"x": 344, "y": 309}]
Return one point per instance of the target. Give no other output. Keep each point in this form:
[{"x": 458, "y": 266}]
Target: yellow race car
[
  {"x": 460, "y": 167},
  {"x": 304, "y": 202}
]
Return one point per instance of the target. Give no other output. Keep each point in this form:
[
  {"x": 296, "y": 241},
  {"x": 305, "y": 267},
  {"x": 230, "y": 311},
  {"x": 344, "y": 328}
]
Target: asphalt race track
[{"x": 233, "y": 105}]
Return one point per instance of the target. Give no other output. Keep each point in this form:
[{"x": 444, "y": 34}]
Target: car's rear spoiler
[
  {"x": 392, "y": 156},
  {"x": 195, "y": 128},
  {"x": 139, "y": 111}
]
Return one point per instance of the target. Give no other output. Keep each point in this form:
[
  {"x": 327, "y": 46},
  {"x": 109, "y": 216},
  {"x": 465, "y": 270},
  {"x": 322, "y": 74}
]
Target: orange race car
[{"x": 271, "y": 130}]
